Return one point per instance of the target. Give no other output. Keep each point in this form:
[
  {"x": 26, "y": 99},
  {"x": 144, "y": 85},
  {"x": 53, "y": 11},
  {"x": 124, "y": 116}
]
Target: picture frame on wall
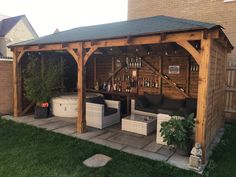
[{"x": 174, "y": 69}]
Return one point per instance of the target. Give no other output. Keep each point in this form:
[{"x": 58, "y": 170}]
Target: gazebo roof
[{"x": 138, "y": 27}]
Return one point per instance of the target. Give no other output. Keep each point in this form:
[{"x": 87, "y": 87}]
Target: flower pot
[{"x": 41, "y": 112}]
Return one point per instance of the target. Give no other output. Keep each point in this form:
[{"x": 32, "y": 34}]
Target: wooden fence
[{"x": 230, "y": 108}]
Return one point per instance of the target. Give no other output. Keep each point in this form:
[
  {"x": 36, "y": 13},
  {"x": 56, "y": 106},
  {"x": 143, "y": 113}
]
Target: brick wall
[
  {"x": 216, "y": 11},
  {"x": 6, "y": 91}
]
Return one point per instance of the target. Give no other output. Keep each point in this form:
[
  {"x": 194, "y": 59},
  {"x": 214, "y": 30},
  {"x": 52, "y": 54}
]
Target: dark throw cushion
[
  {"x": 151, "y": 109},
  {"x": 191, "y": 104},
  {"x": 97, "y": 100},
  {"x": 110, "y": 111},
  {"x": 141, "y": 102},
  {"x": 153, "y": 99},
  {"x": 172, "y": 104}
]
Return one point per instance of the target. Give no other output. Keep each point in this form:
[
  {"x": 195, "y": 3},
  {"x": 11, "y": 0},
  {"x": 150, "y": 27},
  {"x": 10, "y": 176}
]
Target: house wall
[
  {"x": 215, "y": 11},
  {"x": 6, "y": 87},
  {"x": 20, "y": 32}
]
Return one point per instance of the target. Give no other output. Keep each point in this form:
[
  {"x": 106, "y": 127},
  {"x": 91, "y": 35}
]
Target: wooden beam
[
  {"x": 16, "y": 100},
  {"x": 195, "y": 54},
  {"x": 152, "y": 39},
  {"x": 28, "y": 108},
  {"x": 188, "y": 76},
  {"x": 73, "y": 54},
  {"x": 81, "y": 84},
  {"x": 114, "y": 74},
  {"x": 169, "y": 81},
  {"x": 94, "y": 72},
  {"x": 204, "y": 68},
  {"x": 161, "y": 72},
  {"x": 20, "y": 55},
  {"x": 89, "y": 53}
]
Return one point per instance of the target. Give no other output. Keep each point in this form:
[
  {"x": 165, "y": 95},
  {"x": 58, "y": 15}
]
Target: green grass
[{"x": 26, "y": 151}]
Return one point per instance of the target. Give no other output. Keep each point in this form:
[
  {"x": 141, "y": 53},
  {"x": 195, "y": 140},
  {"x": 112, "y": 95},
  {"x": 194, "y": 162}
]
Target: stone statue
[{"x": 195, "y": 159}]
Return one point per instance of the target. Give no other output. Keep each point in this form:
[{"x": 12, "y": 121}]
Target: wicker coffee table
[{"x": 139, "y": 124}]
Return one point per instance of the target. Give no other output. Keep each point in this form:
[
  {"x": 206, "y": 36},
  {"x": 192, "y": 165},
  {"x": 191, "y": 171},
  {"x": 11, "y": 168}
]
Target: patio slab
[
  {"x": 89, "y": 134},
  {"x": 107, "y": 135},
  {"x": 143, "y": 153},
  {"x": 97, "y": 160},
  {"x": 164, "y": 150},
  {"x": 107, "y": 143},
  {"x": 130, "y": 140},
  {"x": 67, "y": 130},
  {"x": 152, "y": 147},
  {"x": 179, "y": 161},
  {"x": 55, "y": 125}
]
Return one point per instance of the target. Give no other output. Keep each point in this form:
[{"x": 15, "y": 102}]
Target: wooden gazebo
[{"x": 206, "y": 43}]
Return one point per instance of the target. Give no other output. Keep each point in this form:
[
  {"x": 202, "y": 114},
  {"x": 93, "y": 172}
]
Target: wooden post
[
  {"x": 188, "y": 76},
  {"x": 16, "y": 85},
  {"x": 204, "y": 68},
  {"x": 81, "y": 120},
  {"x": 94, "y": 72},
  {"x": 161, "y": 71}
]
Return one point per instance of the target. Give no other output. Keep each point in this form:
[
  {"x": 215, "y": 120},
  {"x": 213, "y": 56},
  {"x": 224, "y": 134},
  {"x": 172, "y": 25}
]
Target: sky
[{"x": 48, "y": 15}]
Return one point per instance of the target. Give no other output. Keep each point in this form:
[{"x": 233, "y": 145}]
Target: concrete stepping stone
[{"x": 97, "y": 160}]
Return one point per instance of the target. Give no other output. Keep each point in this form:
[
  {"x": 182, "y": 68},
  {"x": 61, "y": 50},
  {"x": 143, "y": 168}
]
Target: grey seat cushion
[{"x": 110, "y": 111}]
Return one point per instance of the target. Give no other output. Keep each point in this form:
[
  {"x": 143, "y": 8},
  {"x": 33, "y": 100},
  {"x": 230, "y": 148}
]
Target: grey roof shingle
[
  {"x": 144, "y": 26},
  {"x": 8, "y": 23}
]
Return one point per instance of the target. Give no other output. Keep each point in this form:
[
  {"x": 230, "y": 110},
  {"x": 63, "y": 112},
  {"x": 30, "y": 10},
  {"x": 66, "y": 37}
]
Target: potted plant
[
  {"x": 41, "y": 80},
  {"x": 178, "y": 132}
]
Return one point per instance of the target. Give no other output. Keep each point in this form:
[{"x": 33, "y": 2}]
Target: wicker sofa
[{"x": 102, "y": 113}]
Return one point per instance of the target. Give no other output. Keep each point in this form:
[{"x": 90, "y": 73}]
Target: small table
[{"x": 139, "y": 124}]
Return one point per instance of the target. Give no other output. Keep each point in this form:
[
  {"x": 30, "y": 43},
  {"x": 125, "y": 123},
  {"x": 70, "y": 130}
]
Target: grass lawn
[{"x": 26, "y": 151}]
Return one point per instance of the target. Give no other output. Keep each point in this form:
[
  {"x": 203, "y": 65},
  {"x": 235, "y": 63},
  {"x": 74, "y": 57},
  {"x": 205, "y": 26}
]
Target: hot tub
[{"x": 67, "y": 105}]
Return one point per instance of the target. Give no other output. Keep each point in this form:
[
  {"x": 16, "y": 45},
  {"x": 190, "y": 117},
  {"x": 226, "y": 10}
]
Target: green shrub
[
  {"x": 41, "y": 79},
  {"x": 179, "y": 132}
]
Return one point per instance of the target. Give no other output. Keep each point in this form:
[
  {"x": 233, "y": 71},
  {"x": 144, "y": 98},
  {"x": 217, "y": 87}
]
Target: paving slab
[
  {"x": 24, "y": 119},
  {"x": 7, "y": 117},
  {"x": 55, "y": 125},
  {"x": 146, "y": 154},
  {"x": 107, "y": 143},
  {"x": 88, "y": 135},
  {"x": 164, "y": 150},
  {"x": 179, "y": 161},
  {"x": 107, "y": 135},
  {"x": 130, "y": 140},
  {"x": 152, "y": 147},
  {"x": 97, "y": 160},
  {"x": 67, "y": 130}
]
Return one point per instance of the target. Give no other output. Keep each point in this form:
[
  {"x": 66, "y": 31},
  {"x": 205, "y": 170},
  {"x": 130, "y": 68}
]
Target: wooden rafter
[
  {"x": 89, "y": 53},
  {"x": 19, "y": 56},
  {"x": 73, "y": 54},
  {"x": 195, "y": 54},
  {"x": 28, "y": 108},
  {"x": 169, "y": 81}
]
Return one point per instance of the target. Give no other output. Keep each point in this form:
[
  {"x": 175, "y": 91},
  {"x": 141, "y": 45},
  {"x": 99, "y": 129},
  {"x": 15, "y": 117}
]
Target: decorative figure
[{"x": 195, "y": 159}]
